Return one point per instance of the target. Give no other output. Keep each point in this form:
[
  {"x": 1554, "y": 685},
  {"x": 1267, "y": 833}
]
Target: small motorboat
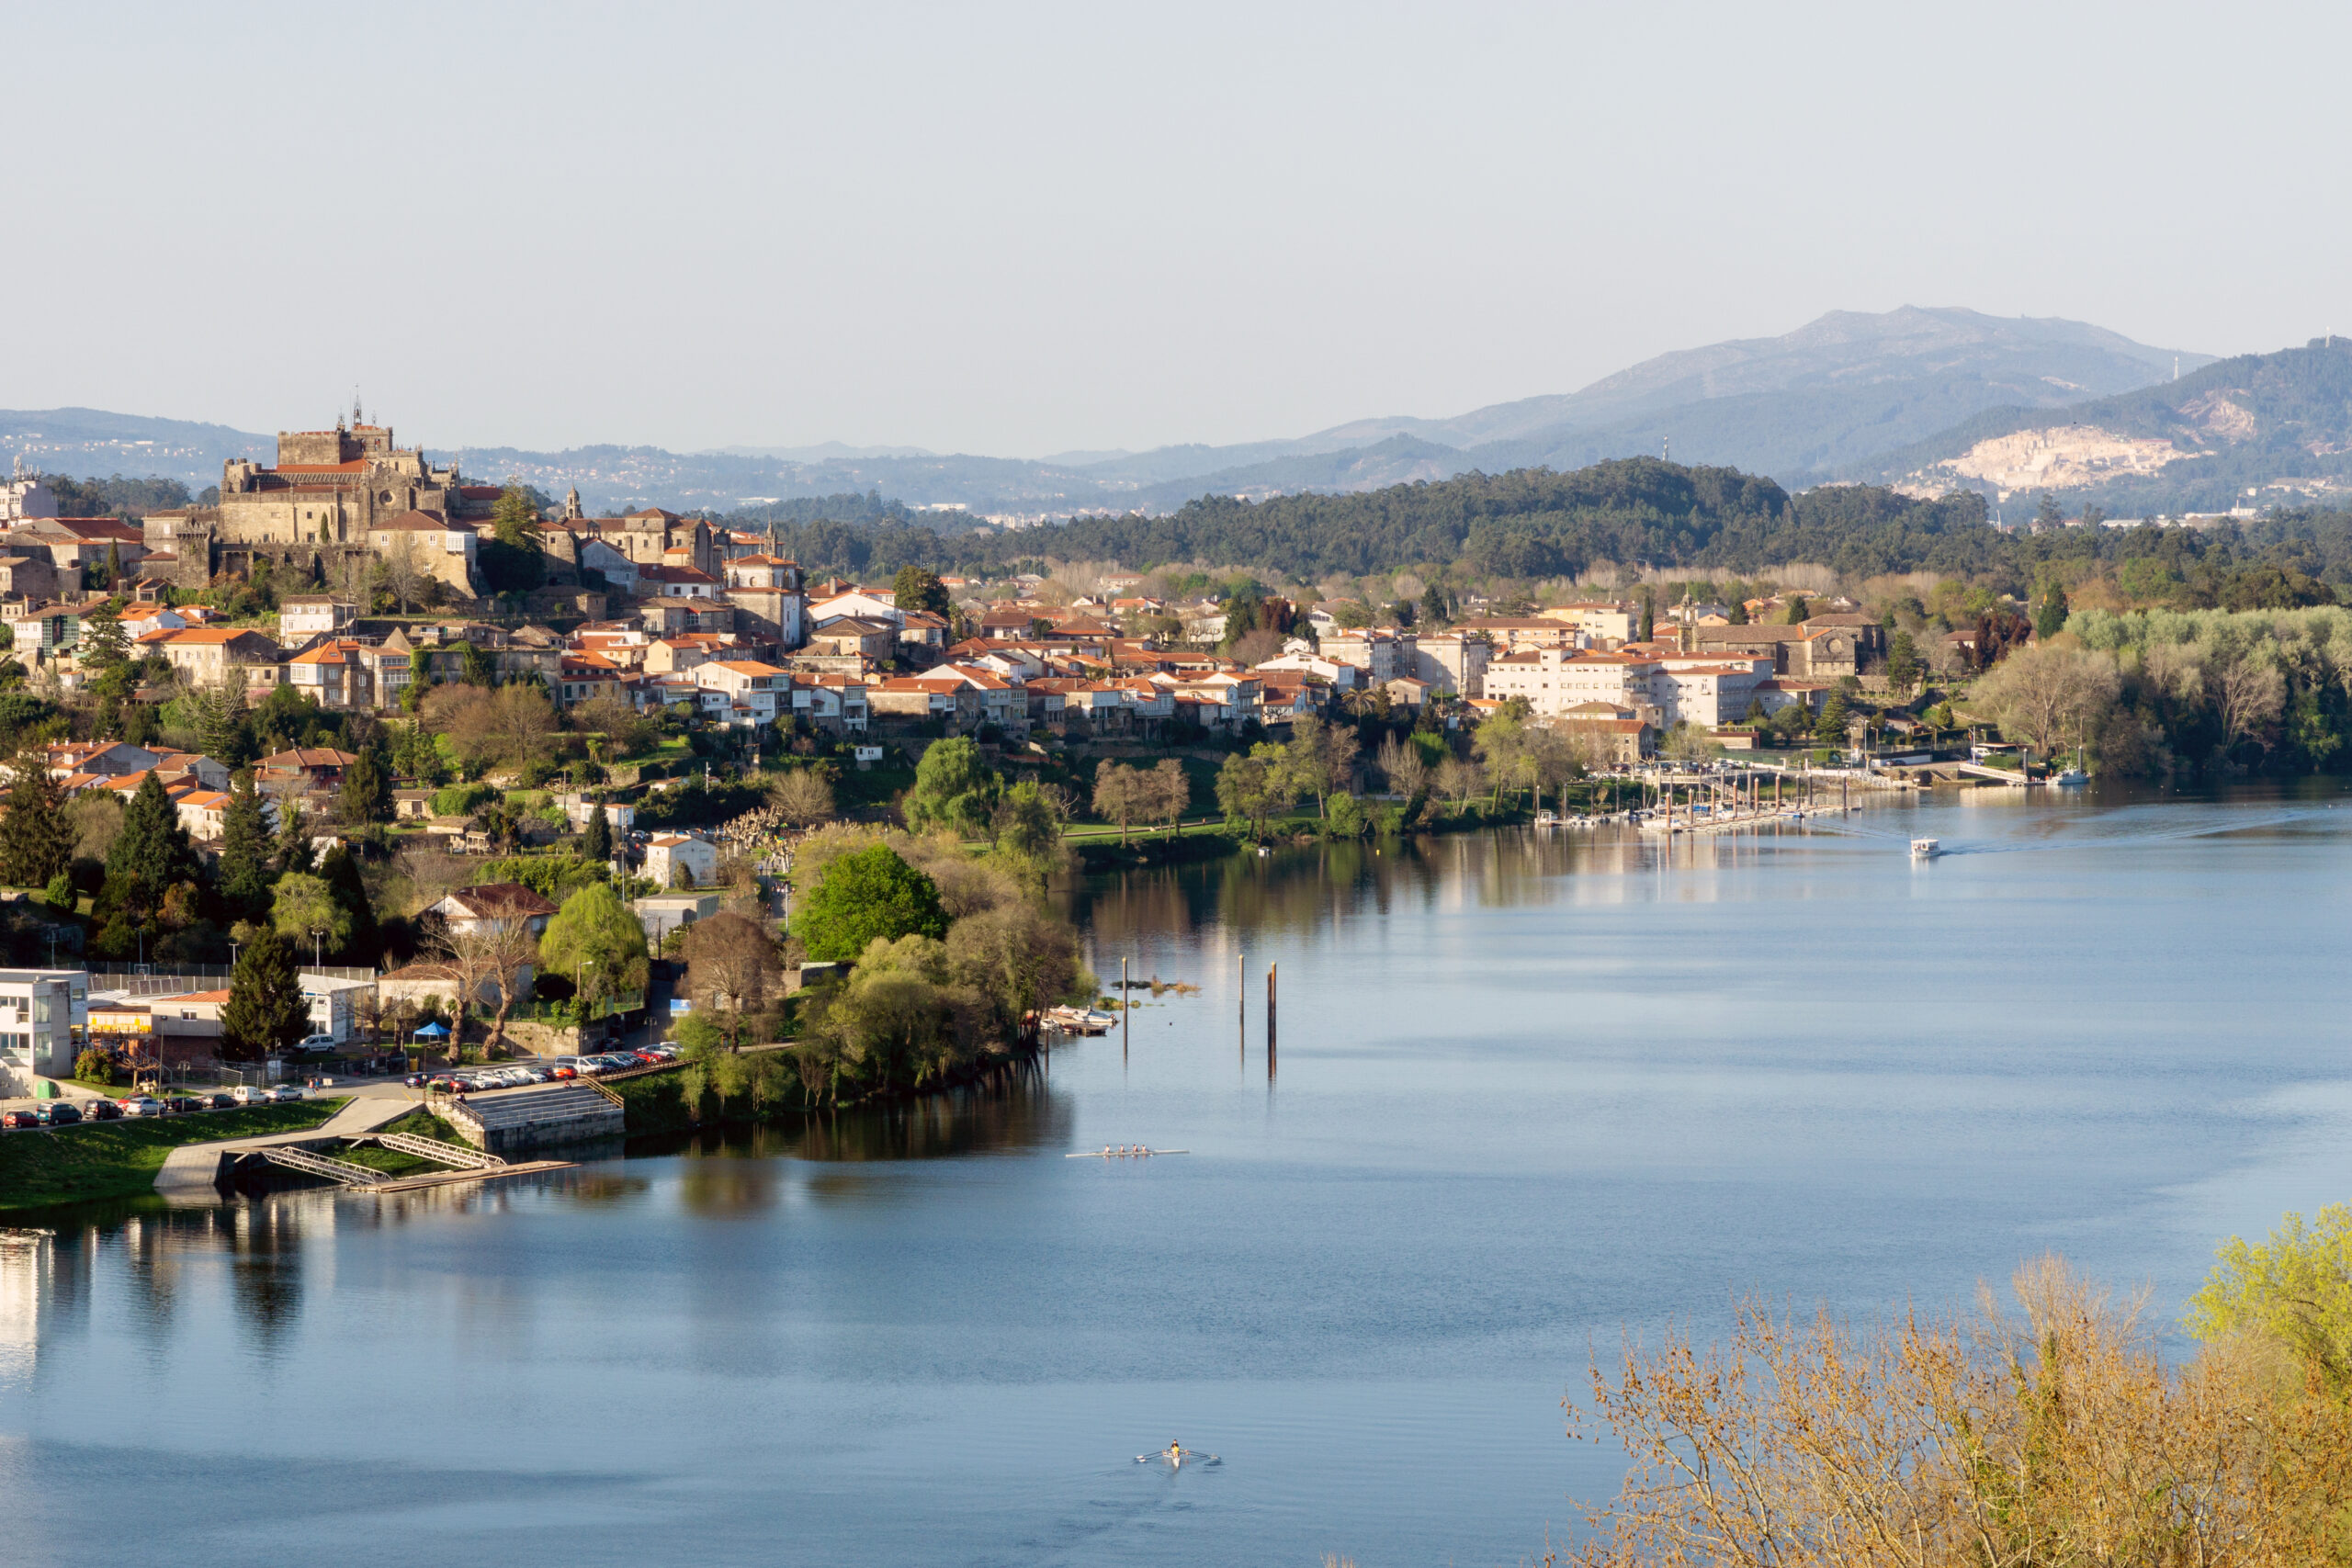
[{"x": 1926, "y": 849}]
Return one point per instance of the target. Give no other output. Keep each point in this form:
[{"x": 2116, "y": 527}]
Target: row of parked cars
[
  {"x": 67, "y": 1113},
  {"x": 563, "y": 1067}
]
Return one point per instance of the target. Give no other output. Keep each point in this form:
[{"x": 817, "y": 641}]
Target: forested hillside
[{"x": 1635, "y": 514}]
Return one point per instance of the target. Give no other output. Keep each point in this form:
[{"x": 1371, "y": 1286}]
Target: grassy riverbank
[
  {"x": 44, "y": 1166},
  {"x": 392, "y": 1161}
]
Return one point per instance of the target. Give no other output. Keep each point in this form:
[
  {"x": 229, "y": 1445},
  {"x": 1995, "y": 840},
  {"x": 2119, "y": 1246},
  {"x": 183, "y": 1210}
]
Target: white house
[
  {"x": 671, "y": 853},
  {"x": 752, "y": 694},
  {"x": 311, "y": 614}
]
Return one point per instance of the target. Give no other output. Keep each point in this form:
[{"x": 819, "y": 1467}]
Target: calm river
[{"x": 1532, "y": 1091}]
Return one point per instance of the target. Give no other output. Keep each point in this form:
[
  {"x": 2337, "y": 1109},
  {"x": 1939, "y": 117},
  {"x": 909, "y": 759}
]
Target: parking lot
[{"x": 479, "y": 1080}]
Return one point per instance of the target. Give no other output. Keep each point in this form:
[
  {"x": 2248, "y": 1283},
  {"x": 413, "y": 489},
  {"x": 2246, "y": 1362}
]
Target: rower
[{"x": 1174, "y": 1452}]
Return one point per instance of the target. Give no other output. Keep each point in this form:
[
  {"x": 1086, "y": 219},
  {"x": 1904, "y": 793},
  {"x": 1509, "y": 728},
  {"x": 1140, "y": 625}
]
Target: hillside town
[{"x": 377, "y": 565}]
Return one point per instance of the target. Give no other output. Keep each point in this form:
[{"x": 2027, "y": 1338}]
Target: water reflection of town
[
  {"x": 151, "y": 1255},
  {"x": 1298, "y": 891}
]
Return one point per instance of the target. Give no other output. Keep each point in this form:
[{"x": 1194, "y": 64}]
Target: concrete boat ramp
[{"x": 512, "y": 1118}]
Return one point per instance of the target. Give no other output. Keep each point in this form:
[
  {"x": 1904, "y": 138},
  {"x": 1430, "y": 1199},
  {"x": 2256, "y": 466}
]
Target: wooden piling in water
[{"x": 1271, "y": 970}]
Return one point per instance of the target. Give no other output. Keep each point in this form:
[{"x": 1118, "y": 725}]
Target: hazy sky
[{"x": 1023, "y": 229}]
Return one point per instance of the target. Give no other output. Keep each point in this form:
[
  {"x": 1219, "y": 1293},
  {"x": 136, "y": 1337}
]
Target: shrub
[{"x": 463, "y": 800}]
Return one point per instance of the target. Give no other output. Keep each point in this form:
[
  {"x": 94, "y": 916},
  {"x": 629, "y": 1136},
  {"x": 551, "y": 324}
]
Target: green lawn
[
  {"x": 392, "y": 1162},
  {"x": 41, "y": 1166}
]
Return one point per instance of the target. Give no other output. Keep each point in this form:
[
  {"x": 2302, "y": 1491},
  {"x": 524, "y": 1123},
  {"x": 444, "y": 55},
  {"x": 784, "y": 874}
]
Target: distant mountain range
[
  {"x": 2252, "y": 432},
  {"x": 1849, "y": 396}
]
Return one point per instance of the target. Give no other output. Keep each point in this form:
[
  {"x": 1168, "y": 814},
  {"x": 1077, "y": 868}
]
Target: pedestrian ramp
[
  {"x": 456, "y": 1156},
  {"x": 303, "y": 1160}
]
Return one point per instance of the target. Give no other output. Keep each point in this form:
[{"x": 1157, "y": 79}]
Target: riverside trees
[{"x": 952, "y": 954}]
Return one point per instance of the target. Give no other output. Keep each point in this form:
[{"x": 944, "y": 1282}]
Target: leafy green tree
[
  {"x": 1019, "y": 957},
  {"x": 597, "y": 941},
  {"x": 872, "y": 894},
  {"x": 150, "y": 855},
  {"x": 596, "y": 844},
  {"x": 1121, "y": 795},
  {"x": 1252, "y": 788},
  {"x": 916, "y": 589},
  {"x": 1738, "y": 615},
  {"x": 477, "y": 667},
  {"x": 265, "y": 1011},
  {"x": 1901, "y": 664},
  {"x": 1028, "y": 827},
  {"x": 304, "y": 909},
  {"x": 1798, "y": 610},
  {"x": 699, "y": 1037},
  {"x": 2293, "y": 1290},
  {"x": 36, "y": 840},
  {"x": 285, "y": 718},
  {"x": 244, "y": 849},
  {"x": 2049, "y": 513},
  {"x": 1433, "y": 606},
  {"x": 954, "y": 789},
  {"x": 367, "y": 790},
  {"x": 59, "y": 894}
]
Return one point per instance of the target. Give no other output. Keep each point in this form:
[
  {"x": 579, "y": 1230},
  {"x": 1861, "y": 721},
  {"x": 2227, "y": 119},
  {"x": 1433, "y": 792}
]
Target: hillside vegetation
[{"x": 1631, "y": 515}]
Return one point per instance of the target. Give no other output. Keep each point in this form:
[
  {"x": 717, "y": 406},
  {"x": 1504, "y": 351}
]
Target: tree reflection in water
[
  {"x": 1301, "y": 890},
  {"x": 1014, "y": 1110}
]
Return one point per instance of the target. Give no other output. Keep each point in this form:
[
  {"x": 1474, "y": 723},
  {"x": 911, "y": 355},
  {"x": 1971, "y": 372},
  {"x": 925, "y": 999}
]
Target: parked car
[
  {"x": 249, "y": 1094},
  {"x": 103, "y": 1111},
  {"x": 563, "y": 1071},
  {"x": 141, "y": 1105},
  {"x": 285, "y": 1091},
  {"x": 13, "y": 1119},
  {"x": 183, "y": 1102},
  {"x": 221, "y": 1101},
  {"x": 312, "y": 1045},
  {"x": 57, "y": 1113}
]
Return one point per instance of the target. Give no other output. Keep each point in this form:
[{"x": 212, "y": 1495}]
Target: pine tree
[
  {"x": 367, "y": 790},
  {"x": 1901, "y": 664},
  {"x": 1831, "y": 730},
  {"x": 114, "y": 565},
  {"x": 265, "y": 1011},
  {"x": 515, "y": 521},
  {"x": 36, "y": 842},
  {"x": 340, "y": 874},
  {"x": 244, "y": 849},
  {"x": 295, "y": 852},
  {"x": 151, "y": 854},
  {"x": 597, "y": 845},
  {"x": 105, "y": 645},
  {"x": 220, "y": 725}
]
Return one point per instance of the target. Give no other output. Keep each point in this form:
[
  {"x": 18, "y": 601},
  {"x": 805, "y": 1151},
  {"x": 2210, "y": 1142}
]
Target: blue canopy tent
[{"x": 432, "y": 1031}]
